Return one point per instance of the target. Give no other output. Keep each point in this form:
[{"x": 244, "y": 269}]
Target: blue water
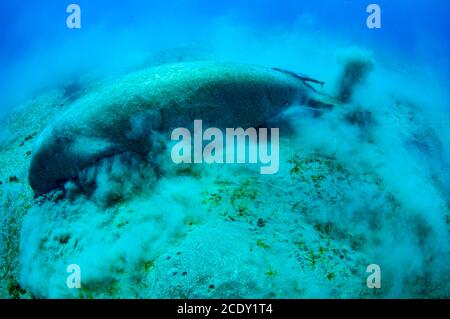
[{"x": 417, "y": 31}]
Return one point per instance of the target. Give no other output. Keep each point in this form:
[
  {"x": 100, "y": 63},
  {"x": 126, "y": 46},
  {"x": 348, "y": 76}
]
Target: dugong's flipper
[{"x": 99, "y": 124}]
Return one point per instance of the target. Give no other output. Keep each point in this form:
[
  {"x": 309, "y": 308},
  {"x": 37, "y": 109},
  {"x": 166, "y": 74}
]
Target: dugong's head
[{"x": 58, "y": 156}]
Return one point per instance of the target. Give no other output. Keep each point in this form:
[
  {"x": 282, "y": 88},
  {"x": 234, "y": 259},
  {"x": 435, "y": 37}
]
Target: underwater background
[{"x": 367, "y": 182}]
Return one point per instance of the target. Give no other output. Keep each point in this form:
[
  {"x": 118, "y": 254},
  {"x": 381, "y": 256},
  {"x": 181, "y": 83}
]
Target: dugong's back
[{"x": 100, "y": 124}]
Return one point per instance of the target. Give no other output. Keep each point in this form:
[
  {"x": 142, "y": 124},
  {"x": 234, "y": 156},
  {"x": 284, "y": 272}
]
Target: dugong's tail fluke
[{"x": 323, "y": 101}]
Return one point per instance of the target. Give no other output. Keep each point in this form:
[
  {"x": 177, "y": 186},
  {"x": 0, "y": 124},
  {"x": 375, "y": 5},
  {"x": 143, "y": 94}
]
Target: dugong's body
[{"x": 100, "y": 124}]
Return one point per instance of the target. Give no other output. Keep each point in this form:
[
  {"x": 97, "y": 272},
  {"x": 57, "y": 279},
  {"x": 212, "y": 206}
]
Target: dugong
[{"x": 100, "y": 124}]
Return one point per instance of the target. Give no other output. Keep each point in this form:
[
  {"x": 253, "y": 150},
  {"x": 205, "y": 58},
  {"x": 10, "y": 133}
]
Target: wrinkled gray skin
[{"x": 113, "y": 119}]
